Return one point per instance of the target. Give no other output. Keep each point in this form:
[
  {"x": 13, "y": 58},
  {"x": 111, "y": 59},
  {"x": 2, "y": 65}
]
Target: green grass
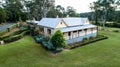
[{"x": 26, "y": 53}]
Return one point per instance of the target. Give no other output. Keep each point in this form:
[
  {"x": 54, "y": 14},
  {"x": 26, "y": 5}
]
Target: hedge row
[
  {"x": 117, "y": 25},
  {"x": 16, "y": 37},
  {"x": 12, "y": 34},
  {"x": 91, "y": 40}
]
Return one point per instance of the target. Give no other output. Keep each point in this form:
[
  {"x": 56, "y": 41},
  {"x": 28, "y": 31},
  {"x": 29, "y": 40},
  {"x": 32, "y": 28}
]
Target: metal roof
[
  {"x": 32, "y": 21},
  {"x": 52, "y": 22},
  {"x": 74, "y": 21},
  {"x": 49, "y": 22},
  {"x": 67, "y": 29}
]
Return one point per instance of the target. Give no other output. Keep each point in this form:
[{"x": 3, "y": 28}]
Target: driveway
[{"x": 5, "y": 26}]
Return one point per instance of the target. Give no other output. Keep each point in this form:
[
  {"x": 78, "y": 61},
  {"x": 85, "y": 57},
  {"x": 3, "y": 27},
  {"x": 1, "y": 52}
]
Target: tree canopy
[{"x": 3, "y": 15}]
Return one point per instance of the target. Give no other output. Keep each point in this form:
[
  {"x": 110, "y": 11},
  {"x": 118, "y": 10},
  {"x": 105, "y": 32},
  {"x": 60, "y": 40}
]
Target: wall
[{"x": 61, "y": 25}]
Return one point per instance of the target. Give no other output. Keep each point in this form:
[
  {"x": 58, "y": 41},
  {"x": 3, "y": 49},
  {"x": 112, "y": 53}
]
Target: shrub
[
  {"x": 58, "y": 40},
  {"x": 14, "y": 38},
  {"x": 109, "y": 24},
  {"x": 3, "y": 32},
  {"x": 11, "y": 39},
  {"x": 85, "y": 39},
  {"x": 92, "y": 38},
  {"x": 98, "y": 38},
  {"x": 12, "y": 34},
  {"x": 116, "y": 31},
  {"x": 48, "y": 45}
]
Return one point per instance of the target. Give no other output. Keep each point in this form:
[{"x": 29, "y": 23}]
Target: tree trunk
[{"x": 105, "y": 18}]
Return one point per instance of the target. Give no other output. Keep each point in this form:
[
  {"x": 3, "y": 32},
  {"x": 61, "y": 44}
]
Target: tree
[
  {"x": 52, "y": 13},
  {"x": 60, "y": 11},
  {"x": 71, "y": 11},
  {"x": 14, "y": 9},
  {"x": 3, "y": 15},
  {"x": 105, "y": 7},
  {"x": 38, "y": 8},
  {"x": 97, "y": 12},
  {"x": 58, "y": 39}
]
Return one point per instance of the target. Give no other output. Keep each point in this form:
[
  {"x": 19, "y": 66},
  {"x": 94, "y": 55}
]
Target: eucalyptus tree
[
  {"x": 106, "y": 7},
  {"x": 39, "y": 8},
  {"x": 3, "y": 15},
  {"x": 13, "y": 9},
  {"x": 60, "y": 11},
  {"x": 71, "y": 11}
]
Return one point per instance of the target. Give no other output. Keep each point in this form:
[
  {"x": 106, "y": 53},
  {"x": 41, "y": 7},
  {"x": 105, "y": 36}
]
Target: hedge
[
  {"x": 12, "y": 34},
  {"x": 98, "y": 38},
  {"x": 16, "y": 37}
]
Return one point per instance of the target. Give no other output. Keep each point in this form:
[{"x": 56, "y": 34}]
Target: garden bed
[
  {"x": 14, "y": 36},
  {"x": 85, "y": 42}
]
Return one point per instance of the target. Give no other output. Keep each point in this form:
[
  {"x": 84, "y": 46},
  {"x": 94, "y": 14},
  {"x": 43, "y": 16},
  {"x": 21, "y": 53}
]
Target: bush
[
  {"x": 92, "y": 38},
  {"x": 47, "y": 45},
  {"x": 3, "y": 32},
  {"x": 116, "y": 31},
  {"x": 16, "y": 37},
  {"x": 12, "y": 34},
  {"x": 109, "y": 24},
  {"x": 39, "y": 38},
  {"x": 85, "y": 39},
  {"x": 58, "y": 40}
]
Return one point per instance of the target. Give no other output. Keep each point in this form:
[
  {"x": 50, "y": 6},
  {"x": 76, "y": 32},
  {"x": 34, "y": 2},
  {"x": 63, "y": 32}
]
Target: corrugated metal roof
[
  {"x": 49, "y": 22},
  {"x": 33, "y": 21},
  {"x": 67, "y": 29},
  {"x": 74, "y": 21},
  {"x": 52, "y": 22}
]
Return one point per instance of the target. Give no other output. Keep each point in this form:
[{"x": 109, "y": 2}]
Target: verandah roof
[{"x": 67, "y": 29}]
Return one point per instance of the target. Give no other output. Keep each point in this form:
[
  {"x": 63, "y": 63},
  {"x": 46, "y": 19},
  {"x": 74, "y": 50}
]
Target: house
[{"x": 74, "y": 29}]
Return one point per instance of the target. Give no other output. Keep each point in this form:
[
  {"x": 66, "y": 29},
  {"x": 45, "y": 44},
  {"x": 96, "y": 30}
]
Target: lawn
[{"x": 26, "y": 53}]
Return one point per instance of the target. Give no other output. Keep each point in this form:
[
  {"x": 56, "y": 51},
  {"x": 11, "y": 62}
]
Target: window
[
  {"x": 61, "y": 22},
  {"x": 69, "y": 34},
  {"x": 49, "y": 31}
]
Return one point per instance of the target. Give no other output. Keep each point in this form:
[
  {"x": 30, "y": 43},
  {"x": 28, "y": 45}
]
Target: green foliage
[
  {"x": 3, "y": 15},
  {"x": 12, "y": 34},
  {"x": 52, "y": 13},
  {"x": 15, "y": 10},
  {"x": 71, "y": 12},
  {"x": 117, "y": 31},
  {"x": 38, "y": 38},
  {"x": 117, "y": 16},
  {"x": 88, "y": 41},
  {"x": 58, "y": 39},
  {"x": 15, "y": 37},
  {"x": 85, "y": 39}
]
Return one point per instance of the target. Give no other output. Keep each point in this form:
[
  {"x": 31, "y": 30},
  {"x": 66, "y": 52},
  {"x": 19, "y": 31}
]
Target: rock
[{"x": 1, "y": 42}]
